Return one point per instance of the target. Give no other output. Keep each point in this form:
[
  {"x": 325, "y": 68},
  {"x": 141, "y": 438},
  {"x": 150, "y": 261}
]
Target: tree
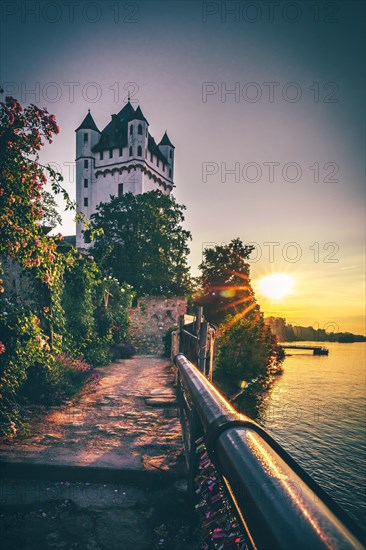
[
  {"x": 51, "y": 217},
  {"x": 143, "y": 243},
  {"x": 31, "y": 362},
  {"x": 96, "y": 311},
  {"x": 224, "y": 284},
  {"x": 246, "y": 346},
  {"x": 247, "y": 349},
  {"x": 21, "y": 184},
  {"x": 23, "y": 201}
]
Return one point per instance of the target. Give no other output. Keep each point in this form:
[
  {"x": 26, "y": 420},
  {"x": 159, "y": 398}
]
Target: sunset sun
[{"x": 275, "y": 286}]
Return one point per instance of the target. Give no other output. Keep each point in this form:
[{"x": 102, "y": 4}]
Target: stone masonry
[{"x": 150, "y": 320}]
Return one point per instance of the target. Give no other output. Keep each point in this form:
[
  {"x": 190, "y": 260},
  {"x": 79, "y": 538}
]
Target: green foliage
[
  {"x": 22, "y": 180},
  {"x": 64, "y": 379},
  {"x": 51, "y": 216},
  {"x": 96, "y": 310},
  {"x": 143, "y": 243},
  {"x": 224, "y": 284},
  {"x": 54, "y": 318},
  {"x": 24, "y": 346},
  {"x": 246, "y": 349}
]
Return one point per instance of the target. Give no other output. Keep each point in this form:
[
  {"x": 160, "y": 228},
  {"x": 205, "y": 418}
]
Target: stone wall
[
  {"x": 150, "y": 320},
  {"x": 17, "y": 282}
]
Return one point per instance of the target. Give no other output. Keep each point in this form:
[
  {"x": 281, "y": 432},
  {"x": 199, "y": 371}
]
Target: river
[{"x": 316, "y": 410}]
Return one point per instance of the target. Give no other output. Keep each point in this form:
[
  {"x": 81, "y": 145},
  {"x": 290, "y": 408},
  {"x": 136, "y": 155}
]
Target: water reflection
[{"x": 255, "y": 397}]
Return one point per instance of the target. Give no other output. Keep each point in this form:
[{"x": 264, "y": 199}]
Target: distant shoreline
[{"x": 294, "y": 333}]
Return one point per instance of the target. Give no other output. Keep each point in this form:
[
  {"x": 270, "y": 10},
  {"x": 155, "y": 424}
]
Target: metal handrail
[{"x": 280, "y": 505}]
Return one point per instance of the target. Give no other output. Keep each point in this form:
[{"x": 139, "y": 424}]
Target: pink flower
[{"x": 2, "y": 348}]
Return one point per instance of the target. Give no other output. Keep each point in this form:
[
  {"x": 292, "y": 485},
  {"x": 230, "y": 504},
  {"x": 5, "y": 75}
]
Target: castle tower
[
  {"x": 167, "y": 148},
  {"x": 87, "y": 136},
  {"x": 122, "y": 158},
  {"x": 137, "y": 144}
]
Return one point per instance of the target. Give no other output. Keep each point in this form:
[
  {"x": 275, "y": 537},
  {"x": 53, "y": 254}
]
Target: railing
[
  {"x": 196, "y": 341},
  {"x": 278, "y": 504}
]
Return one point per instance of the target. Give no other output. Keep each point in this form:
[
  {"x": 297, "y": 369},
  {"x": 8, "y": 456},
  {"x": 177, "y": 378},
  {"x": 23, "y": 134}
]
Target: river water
[{"x": 317, "y": 411}]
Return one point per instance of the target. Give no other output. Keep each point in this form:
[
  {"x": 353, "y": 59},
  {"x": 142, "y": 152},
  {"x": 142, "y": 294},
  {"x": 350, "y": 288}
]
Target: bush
[
  {"x": 29, "y": 371},
  {"x": 246, "y": 350},
  {"x": 64, "y": 380},
  {"x": 123, "y": 351},
  {"x": 96, "y": 311},
  {"x": 24, "y": 349}
]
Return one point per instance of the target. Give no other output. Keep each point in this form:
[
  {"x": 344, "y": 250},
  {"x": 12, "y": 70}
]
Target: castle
[{"x": 122, "y": 158}]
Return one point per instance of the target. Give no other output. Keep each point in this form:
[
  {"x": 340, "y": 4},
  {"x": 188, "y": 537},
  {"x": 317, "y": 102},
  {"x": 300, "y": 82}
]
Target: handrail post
[
  {"x": 211, "y": 351},
  {"x": 198, "y": 321},
  {"x": 202, "y": 347}
]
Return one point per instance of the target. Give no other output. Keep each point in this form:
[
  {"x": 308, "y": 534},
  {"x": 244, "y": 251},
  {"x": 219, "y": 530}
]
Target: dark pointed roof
[
  {"x": 153, "y": 148},
  {"x": 127, "y": 112},
  {"x": 113, "y": 135},
  {"x": 139, "y": 115},
  {"x": 88, "y": 124},
  {"x": 166, "y": 141}
]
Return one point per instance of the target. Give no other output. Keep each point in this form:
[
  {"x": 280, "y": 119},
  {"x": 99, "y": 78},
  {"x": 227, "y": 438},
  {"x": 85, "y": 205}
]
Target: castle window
[
  {"x": 131, "y": 130},
  {"x": 120, "y": 189},
  {"x": 139, "y": 129},
  {"x": 110, "y": 153},
  {"x": 146, "y": 132},
  {"x": 170, "y": 173},
  {"x": 139, "y": 151},
  {"x": 86, "y": 138},
  {"x": 101, "y": 155},
  {"x": 131, "y": 153},
  {"x": 120, "y": 151},
  {"x": 151, "y": 157},
  {"x": 86, "y": 202},
  {"x": 14, "y": 283},
  {"x": 85, "y": 183},
  {"x": 170, "y": 154},
  {"x": 158, "y": 162},
  {"x": 146, "y": 153},
  {"x": 86, "y": 163}
]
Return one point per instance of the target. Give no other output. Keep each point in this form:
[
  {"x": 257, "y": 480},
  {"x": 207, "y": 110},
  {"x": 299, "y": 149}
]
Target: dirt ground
[
  {"x": 129, "y": 422},
  {"x": 103, "y": 473}
]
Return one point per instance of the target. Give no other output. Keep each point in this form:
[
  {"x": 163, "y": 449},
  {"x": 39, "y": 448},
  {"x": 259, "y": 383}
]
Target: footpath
[{"x": 103, "y": 473}]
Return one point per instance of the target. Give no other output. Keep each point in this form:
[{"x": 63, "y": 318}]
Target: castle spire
[{"x": 88, "y": 123}]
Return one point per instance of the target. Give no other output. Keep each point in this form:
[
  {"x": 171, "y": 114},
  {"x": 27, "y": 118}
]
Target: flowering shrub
[
  {"x": 21, "y": 184},
  {"x": 96, "y": 311},
  {"x": 71, "y": 310},
  {"x": 65, "y": 379},
  {"x": 26, "y": 348}
]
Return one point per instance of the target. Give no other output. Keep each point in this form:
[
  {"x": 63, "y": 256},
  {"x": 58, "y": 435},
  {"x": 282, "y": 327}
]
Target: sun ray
[
  {"x": 236, "y": 303},
  {"x": 275, "y": 286},
  {"x": 239, "y": 316}
]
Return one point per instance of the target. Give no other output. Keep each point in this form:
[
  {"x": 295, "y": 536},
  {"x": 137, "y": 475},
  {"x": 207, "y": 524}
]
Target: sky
[{"x": 264, "y": 102}]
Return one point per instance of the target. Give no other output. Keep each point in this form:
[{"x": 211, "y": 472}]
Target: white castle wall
[{"x": 138, "y": 174}]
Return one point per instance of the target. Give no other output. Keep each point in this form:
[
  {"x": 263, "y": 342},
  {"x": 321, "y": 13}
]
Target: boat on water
[
  {"x": 321, "y": 351},
  {"x": 317, "y": 350}
]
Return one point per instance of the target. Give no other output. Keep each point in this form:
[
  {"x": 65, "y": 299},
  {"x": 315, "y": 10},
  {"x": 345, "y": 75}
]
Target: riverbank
[{"x": 316, "y": 410}]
